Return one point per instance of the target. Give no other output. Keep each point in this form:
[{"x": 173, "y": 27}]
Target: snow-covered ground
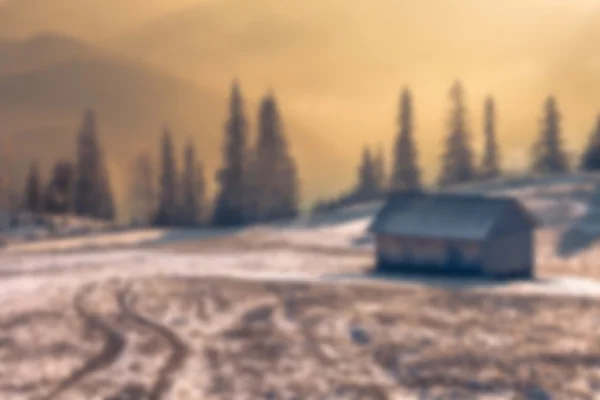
[
  {"x": 557, "y": 203},
  {"x": 314, "y": 240},
  {"x": 328, "y": 253}
]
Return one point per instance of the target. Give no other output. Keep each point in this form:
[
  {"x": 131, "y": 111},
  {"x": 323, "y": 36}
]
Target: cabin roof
[{"x": 444, "y": 215}]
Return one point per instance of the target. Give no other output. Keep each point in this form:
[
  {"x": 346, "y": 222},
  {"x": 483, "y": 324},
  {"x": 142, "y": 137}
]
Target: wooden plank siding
[
  {"x": 510, "y": 255},
  {"x": 506, "y": 255},
  {"x": 427, "y": 253}
]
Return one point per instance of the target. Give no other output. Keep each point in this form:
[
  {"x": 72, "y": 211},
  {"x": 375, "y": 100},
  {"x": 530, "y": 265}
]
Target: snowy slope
[
  {"x": 558, "y": 203},
  {"x": 557, "y": 206},
  {"x": 314, "y": 246}
]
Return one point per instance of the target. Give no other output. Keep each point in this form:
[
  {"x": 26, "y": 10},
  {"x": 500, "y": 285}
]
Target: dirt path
[
  {"x": 114, "y": 343},
  {"x": 179, "y": 350}
]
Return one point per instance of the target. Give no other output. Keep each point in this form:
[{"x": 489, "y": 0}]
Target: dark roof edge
[
  {"x": 532, "y": 219},
  {"x": 455, "y": 195},
  {"x": 507, "y": 200}
]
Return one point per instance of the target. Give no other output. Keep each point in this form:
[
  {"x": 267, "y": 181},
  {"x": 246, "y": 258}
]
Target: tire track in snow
[
  {"x": 179, "y": 349},
  {"x": 114, "y": 343}
]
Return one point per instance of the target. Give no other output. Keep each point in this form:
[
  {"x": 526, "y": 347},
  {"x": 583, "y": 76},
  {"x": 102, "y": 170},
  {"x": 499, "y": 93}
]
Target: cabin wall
[
  {"x": 428, "y": 253},
  {"x": 396, "y": 248},
  {"x": 510, "y": 254}
]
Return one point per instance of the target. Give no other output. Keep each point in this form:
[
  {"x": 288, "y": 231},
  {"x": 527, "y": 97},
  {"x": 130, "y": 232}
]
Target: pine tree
[
  {"x": 457, "y": 159},
  {"x": 167, "y": 212},
  {"x": 405, "y": 171},
  {"x": 274, "y": 169},
  {"x": 367, "y": 176},
  {"x": 200, "y": 188},
  {"x": 266, "y": 183},
  {"x": 290, "y": 202},
  {"x": 590, "y": 159},
  {"x": 106, "y": 207},
  {"x": 548, "y": 153},
  {"x": 92, "y": 191},
  {"x": 10, "y": 196},
  {"x": 59, "y": 193},
  {"x": 33, "y": 192},
  {"x": 87, "y": 168},
  {"x": 252, "y": 185},
  {"x": 490, "y": 167},
  {"x": 380, "y": 173},
  {"x": 230, "y": 200},
  {"x": 142, "y": 189},
  {"x": 190, "y": 203},
  {"x": 254, "y": 178}
]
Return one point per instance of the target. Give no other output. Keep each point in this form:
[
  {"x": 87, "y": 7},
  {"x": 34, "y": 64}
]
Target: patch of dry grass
[
  {"x": 255, "y": 340},
  {"x": 359, "y": 340}
]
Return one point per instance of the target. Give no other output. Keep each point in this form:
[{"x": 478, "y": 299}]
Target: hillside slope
[{"x": 566, "y": 208}]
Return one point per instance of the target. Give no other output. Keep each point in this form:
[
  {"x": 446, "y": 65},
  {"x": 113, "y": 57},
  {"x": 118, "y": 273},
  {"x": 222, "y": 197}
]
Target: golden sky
[{"x": 339, "y": 65}]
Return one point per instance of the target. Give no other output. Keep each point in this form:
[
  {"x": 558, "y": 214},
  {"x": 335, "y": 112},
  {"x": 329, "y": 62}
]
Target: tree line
[
  {"x": 458, "y": 162},
  {"x": 258, "y": 181},
  {"x": 81, "y": 187}
]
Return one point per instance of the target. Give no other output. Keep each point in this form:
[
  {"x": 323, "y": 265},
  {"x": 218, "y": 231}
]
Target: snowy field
[{"x": 290, "y": 311}]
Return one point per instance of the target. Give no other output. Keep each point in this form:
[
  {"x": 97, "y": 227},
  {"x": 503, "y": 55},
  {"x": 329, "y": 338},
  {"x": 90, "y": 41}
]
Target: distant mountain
[
  {"x": 40, "y": 110},
  {"x": 40, "y": 51},
  {"x": 89, "y": 19}
]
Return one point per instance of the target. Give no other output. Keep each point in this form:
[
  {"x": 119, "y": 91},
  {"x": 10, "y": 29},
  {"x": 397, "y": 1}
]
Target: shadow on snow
[{"x": 447, "y": 281}]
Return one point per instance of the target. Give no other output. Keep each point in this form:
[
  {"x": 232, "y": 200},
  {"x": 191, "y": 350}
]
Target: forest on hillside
[{"x": 259, "y": 182}]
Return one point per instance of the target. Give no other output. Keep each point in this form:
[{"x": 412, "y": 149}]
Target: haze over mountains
[
  {"x": 41, "y": 107},
  {"x": 90, "y": 19},
  {"x": 337, "y": 68}
]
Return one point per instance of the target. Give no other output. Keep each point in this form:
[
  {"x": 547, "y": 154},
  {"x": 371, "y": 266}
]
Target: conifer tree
[
  {"x": 10, "y": 196},
  {"x": 252, "y": 185},
  {"x": 590, "y": 159},
  {"x": 58, "y": 196},
  {"x": 33, "y": 192},
  {"x": 92, "y": 191},
  {"x": 106, "y": 207},
  {"x": 167, "y": 211},
  {"x": 490, "y": 166},
  {"x": 190, "y": 202},
  {"x": 367, "y": 176},
  {"x": 380, "y": 172},
  {"x": 548, "y": 153},
  {"x": 290, "y": 202},
  {"x": 405, "y": 172},
  {"x": 230, "y": 201},
  {"x": 457, "y": 159},
  {"x": 87, "y": 169},
  {"x": 142, "y": 189},
  {"x": 200, "y": 188},
  {"x": 274, "y": 170}
]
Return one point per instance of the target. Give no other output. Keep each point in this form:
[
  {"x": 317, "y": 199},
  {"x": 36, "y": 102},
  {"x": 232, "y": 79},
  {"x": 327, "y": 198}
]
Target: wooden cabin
[{"x": 454, "y": 234}]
